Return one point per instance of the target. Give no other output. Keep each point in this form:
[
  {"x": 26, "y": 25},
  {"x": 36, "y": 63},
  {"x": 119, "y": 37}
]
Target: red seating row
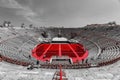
[{"x": 13, "y": 61}]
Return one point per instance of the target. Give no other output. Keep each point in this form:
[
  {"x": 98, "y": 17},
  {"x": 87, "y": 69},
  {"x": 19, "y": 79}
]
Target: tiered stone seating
[
  {"x": 99, "y": 44},
  {"x": 17, "y": 46},
  {"x": 109, "y": 49}
]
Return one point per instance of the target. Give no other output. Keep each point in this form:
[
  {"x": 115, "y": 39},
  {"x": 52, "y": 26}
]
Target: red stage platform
[{"x": 45, "y": 51}]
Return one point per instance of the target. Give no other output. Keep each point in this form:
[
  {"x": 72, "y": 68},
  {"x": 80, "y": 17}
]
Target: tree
[
  {"x": 22, "y": 25},
  {"x": 31, "y": 25}
]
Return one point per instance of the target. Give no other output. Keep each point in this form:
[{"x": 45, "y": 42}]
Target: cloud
[
  {"x": 10, "y": 4},
  {"x": 24, "y": 11},
  {"x": 30, "y": 16},
  {"x": 61, "y": 12}
]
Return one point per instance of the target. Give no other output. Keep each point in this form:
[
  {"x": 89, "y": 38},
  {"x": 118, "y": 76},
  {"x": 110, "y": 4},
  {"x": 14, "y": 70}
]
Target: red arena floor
[{"x": 45, "y": 51}]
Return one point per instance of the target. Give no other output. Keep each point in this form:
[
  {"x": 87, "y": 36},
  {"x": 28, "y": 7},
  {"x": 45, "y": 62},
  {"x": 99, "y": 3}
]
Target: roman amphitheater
[{"x": 26, "y": 55}]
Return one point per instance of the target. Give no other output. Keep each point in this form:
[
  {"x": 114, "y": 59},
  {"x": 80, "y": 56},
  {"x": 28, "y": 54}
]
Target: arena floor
[{"x": 45, "y": 51}]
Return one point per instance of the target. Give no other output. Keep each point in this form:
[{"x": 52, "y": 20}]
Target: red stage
[{"x": 45, "y": 51}]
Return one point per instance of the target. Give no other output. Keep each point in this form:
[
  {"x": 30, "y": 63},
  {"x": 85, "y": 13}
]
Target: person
[
  {"x": 37, "y": 62},
  {"x": 22, "y": 25},
  {"x": 86, "y": 61},
  {"x": 29, "y": 56},
  {"x": 82, "y": 61},
  {"x": 30, "y": 67},
  {"x": 44, "y": 34},
  {"x": 0, "y": 58}
]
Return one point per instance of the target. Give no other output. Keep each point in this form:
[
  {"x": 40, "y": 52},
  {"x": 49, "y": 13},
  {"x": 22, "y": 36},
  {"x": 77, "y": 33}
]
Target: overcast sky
[{"x": 68, "y": 13}]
